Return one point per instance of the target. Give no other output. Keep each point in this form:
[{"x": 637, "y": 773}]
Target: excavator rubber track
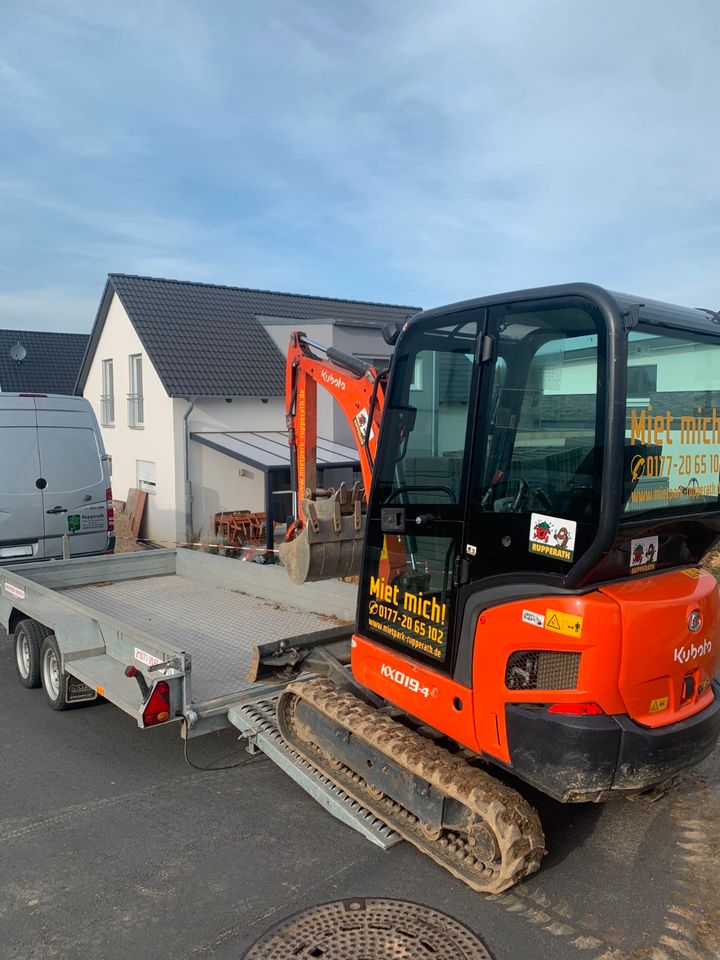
[{"x": 509, "y": 823}]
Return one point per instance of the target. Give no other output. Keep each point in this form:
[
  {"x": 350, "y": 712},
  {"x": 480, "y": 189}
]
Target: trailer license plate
[{"x": 76, "y": 691}]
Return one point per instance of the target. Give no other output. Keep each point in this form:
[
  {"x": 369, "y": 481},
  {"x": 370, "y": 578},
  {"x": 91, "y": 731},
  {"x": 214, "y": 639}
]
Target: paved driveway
[{"x": 112, "y": 847}]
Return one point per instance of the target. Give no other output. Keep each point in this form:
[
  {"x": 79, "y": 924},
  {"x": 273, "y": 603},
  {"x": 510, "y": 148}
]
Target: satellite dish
[{"x": 18, "y": 352}]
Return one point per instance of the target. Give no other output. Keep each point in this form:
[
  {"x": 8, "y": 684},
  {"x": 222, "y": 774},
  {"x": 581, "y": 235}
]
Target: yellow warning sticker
[
  {"x": 692, "y": 572},
  {"x": 567, "y": 623},
  {"x": 660, "y": 703}
]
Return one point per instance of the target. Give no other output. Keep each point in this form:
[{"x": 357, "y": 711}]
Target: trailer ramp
[{"x": 256, "y": 721}]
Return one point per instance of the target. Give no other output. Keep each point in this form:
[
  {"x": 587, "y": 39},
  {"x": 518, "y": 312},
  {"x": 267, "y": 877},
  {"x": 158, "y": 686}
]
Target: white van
[{"x": 54, "y": 479}]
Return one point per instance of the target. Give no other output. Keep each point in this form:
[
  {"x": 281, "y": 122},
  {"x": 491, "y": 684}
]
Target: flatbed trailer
[
  {"x": 128, "y": 623},
  {"x": 184, "y": 617}
]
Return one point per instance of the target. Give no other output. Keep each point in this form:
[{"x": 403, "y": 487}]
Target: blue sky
[{"x": 413, "y": 151}]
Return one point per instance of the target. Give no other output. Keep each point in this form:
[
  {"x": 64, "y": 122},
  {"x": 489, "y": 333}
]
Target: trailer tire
[
  {"x": 29, "y": 635},
  {"x": 52, "y": 673}
]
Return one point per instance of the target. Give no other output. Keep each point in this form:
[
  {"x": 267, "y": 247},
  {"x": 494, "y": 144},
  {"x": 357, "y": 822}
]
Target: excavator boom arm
[
  {"x": 358, "y": 390},
  {"x": 325, "y": 539}
]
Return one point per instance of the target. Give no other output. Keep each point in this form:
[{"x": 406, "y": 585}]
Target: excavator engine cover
[{"x": 331, "y": 540}]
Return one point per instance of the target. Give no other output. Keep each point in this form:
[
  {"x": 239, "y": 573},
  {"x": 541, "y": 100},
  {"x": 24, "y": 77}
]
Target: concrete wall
[
  {"x": 221, "y": 483},
  {"x": 154, "y": 442}
]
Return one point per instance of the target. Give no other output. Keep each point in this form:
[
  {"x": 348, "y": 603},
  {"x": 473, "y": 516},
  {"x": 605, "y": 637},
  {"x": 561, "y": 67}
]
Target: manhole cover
[{"x": 372, "y": 929}]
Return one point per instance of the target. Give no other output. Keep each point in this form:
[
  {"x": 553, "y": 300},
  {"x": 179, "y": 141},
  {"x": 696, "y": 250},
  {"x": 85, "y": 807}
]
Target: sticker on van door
[{"x": 90, "y": 518}]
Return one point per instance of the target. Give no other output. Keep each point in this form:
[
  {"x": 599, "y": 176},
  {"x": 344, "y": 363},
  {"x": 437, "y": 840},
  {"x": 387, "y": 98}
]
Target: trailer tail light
[
  {"x": 576, "y": 709},
  {"x": 110, "y": 511},
  {"x": 157, "y": 709}
]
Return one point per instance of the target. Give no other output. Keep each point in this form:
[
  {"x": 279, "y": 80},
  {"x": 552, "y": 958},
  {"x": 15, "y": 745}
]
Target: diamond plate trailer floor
[{"x": 217, "y": 627}]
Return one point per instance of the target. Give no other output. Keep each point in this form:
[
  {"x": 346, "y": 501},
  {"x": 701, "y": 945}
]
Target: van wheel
[
  {"x": 52, "y": 675},
  {"x": 29, "y": 635}
]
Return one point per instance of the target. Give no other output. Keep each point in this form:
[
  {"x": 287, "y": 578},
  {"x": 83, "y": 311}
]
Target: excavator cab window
[{"x": 672, "y": 422}]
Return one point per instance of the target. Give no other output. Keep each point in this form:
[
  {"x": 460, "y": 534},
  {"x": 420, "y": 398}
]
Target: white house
[{"x": 187, "y": 381}]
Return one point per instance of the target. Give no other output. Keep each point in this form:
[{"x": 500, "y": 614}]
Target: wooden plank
[{"x": 137, "y": 509}]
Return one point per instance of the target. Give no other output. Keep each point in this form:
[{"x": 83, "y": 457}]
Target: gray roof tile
[
  {"x": 206, "y": 340},
  {"x": 51, "y": 363}
]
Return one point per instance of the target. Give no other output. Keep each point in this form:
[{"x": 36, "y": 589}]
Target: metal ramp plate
[{"x": 256, "y": 721}]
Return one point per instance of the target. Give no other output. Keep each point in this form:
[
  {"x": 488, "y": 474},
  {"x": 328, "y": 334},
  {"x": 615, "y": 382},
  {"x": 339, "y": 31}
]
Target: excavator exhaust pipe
[{"x": 331, "y": 540}]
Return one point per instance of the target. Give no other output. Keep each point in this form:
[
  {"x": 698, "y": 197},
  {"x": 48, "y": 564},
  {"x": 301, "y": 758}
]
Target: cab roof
[{"x": 698, "y": 319}]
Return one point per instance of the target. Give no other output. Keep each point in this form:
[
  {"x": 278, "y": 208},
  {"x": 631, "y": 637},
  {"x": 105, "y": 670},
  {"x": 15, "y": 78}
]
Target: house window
[
  {"x": 146, "y": 476},
  {"x": 107, "y": 397},
  {"x": 136, "y": 406}
]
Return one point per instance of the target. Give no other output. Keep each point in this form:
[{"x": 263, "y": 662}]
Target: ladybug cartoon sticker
[
  {"x": 552, "y": 537},
  {"x": 643, "y": 554}
]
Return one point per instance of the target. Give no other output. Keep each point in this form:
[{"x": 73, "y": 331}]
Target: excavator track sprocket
[{"x": 505, "y": 843}]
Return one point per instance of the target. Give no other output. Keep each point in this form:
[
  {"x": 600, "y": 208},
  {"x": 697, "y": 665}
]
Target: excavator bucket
[{"x": 330, "y": 542}]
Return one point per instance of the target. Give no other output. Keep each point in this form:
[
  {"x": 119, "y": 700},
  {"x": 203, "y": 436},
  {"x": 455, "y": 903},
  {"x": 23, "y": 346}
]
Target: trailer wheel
[
  {"x": 52, "y": 673},
  {"x": 29, "y": 635}
]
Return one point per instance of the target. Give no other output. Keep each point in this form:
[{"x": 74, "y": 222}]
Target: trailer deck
[{"x": 217, "y": 627}]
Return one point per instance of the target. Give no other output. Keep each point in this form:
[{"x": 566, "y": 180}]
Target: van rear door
[
  {"x": 21, "y": 501},
  {"x": 74, "y": 500}
]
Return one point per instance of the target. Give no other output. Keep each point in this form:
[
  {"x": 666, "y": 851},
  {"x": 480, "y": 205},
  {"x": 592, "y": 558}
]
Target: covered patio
[{"x": 269, "y": 452}]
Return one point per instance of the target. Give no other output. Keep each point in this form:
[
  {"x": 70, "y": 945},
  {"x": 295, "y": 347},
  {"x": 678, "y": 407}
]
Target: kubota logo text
[
  {"x": 412, "y": 683},
  {"x": 333, "y": 380},
  {"x": 685, "y": 654}
]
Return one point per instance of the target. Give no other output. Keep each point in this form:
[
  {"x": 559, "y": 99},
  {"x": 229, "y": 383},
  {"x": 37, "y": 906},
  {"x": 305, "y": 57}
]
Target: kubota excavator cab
[{"x": 545, "y": 484}]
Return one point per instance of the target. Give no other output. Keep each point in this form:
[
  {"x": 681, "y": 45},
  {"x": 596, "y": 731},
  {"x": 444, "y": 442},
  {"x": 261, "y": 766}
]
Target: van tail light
[
  {"x": 157, "y": 709},
  {"x": 32, "y": 395},
  {"x": 576, "y": 709},
  {"x": 110, "y": 511}
]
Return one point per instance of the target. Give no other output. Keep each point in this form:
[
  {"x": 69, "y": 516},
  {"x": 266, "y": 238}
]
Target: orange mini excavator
[{"x": 540, "y": 480}]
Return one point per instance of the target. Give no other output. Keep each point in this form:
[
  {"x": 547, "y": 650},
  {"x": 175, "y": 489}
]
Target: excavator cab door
[
  {"x": 535, "y": 488},
  {"x": 414, "y": 563}
]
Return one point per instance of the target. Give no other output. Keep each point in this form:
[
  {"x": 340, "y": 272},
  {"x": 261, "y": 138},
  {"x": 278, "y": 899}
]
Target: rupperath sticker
[
  {"x": 643, "y": 554},
  {"x": 552, "y": 537},
  {"x": 15, "y": 591}
]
